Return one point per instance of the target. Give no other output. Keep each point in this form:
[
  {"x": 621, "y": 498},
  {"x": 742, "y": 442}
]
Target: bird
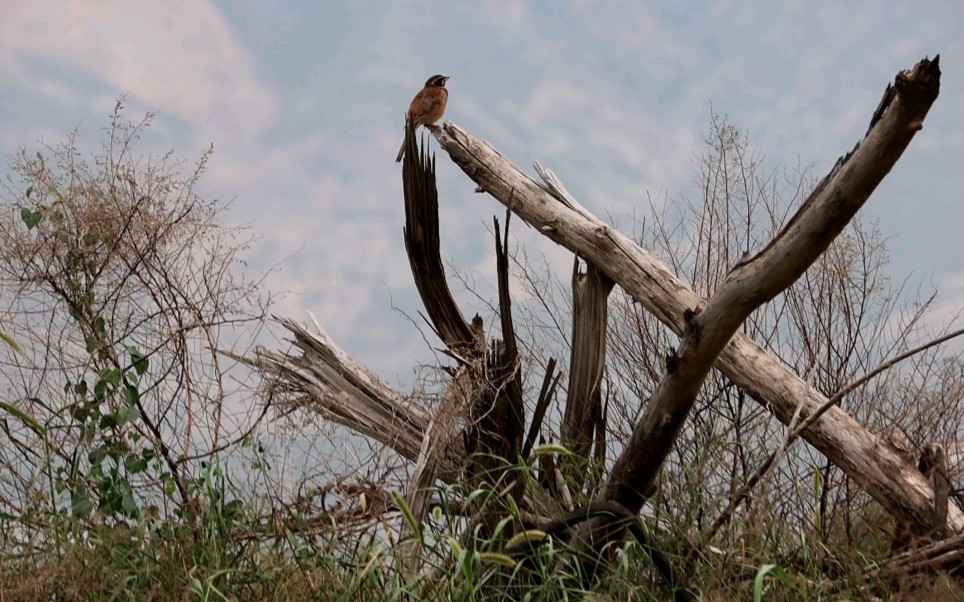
[{"x": 427, "y": 106}]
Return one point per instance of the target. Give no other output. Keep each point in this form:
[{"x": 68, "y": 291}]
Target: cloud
[
  {"x": 948, "y": 310},
  {"x": 180, "y": 57},
  {"x": 306, "y": 118}
]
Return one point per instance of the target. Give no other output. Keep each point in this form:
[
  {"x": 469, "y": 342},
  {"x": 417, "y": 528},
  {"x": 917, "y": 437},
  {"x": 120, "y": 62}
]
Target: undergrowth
[{"x": 231, "y": 552}]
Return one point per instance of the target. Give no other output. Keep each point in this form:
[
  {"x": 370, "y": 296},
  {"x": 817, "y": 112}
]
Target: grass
[{"x": 220, "y": 556}]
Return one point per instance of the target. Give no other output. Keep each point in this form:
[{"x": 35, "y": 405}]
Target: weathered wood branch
[
  {"x": 895, "y": 438},
  {"x": 825, "y": 213},
  {"x": 483, "y": 404},
  {"x": 468, "y": 398},
  {"x": 947, "y": 554},
  {"x": 890, "y": 479},
  {"x": 443, "y": 430},
  {"x": 326, "y": 381},
  {"x": 506, "y": 419},
  {"x": 933, "y": 464},
  {"x": 424, "y": 249},
  {"x": 587, "y": 362}
]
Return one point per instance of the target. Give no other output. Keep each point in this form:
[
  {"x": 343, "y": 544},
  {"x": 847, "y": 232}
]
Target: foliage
[{"x": 118, "y": 282}]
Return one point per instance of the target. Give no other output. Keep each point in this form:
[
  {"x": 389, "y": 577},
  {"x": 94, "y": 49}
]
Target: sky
[{"x": 304, "y": 103}]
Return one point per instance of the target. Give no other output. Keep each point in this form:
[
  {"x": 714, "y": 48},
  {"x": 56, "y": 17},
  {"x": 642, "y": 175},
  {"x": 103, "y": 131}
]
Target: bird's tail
[{"x": 401, "y": 152}]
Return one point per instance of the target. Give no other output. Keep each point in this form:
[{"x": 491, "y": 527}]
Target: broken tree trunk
[
  {"x": 326, "y": 381},
  {"x": 483, "y": 405},
  {"x": 587, "y": 362},
  {"x": 709, "y": 330}
]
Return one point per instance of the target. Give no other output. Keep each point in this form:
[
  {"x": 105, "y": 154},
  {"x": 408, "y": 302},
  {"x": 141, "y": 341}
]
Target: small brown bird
[{"x": 428, "y": 105}]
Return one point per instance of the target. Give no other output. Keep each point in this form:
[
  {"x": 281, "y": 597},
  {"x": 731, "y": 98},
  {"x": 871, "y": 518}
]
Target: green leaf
[
  {"x": 79, "y": 413},
  {"x": 109, "y": 499},
  {"x": 134, "y": 465},
  {"x": 107, "y": 421},
  {"x": 96, "y": 456},
  {"x": 467, "y": 559},
  {"x": 169, "y": 486},
  {"x": 126, "y": 414},
  {"x": 138, "y": 360},
  {"x": 31, "y": 218},
  {"x": 80, "y": 504},
  {"x": 761, "y": 578},
  {"x": 127, "y": 499},
  {"x": 132, "y": 395},
  {"x": 6, "y": 338},
  {"x": 112, "y": 376},
  {"x": 29, "y": 191},
  {"x": 80, "y": 388}
]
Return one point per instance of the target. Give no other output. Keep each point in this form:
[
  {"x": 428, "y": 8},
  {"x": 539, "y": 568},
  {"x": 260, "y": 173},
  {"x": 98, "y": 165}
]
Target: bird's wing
[{"x": 428, "y": 103}]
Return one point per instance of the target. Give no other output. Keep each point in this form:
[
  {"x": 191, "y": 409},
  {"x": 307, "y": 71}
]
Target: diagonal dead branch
[
  {"x": 795, "y": 433},
  {"x": 443, "y": 430},
  {"x": 824, "y": 214},
  {"x": 506, "y": 420}
]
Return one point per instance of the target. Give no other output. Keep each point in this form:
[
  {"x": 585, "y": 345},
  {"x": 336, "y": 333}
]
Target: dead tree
[
  {"x": 487, "y": 424},
  {"x": 709, "y": 327}
]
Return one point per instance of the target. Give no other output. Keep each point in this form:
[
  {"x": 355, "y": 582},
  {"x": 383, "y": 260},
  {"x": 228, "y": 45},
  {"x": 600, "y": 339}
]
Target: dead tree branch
[
  {"x": 707, "y": 328},
  {"x": 795, "y": 433},
  {"x": 824, "y": 214},
  {"x": 326, "y": 381},
  {"x": 483, "y": 403},
  {"x": 424, "y": 249},
  {"x": 506, "y": 420}
]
